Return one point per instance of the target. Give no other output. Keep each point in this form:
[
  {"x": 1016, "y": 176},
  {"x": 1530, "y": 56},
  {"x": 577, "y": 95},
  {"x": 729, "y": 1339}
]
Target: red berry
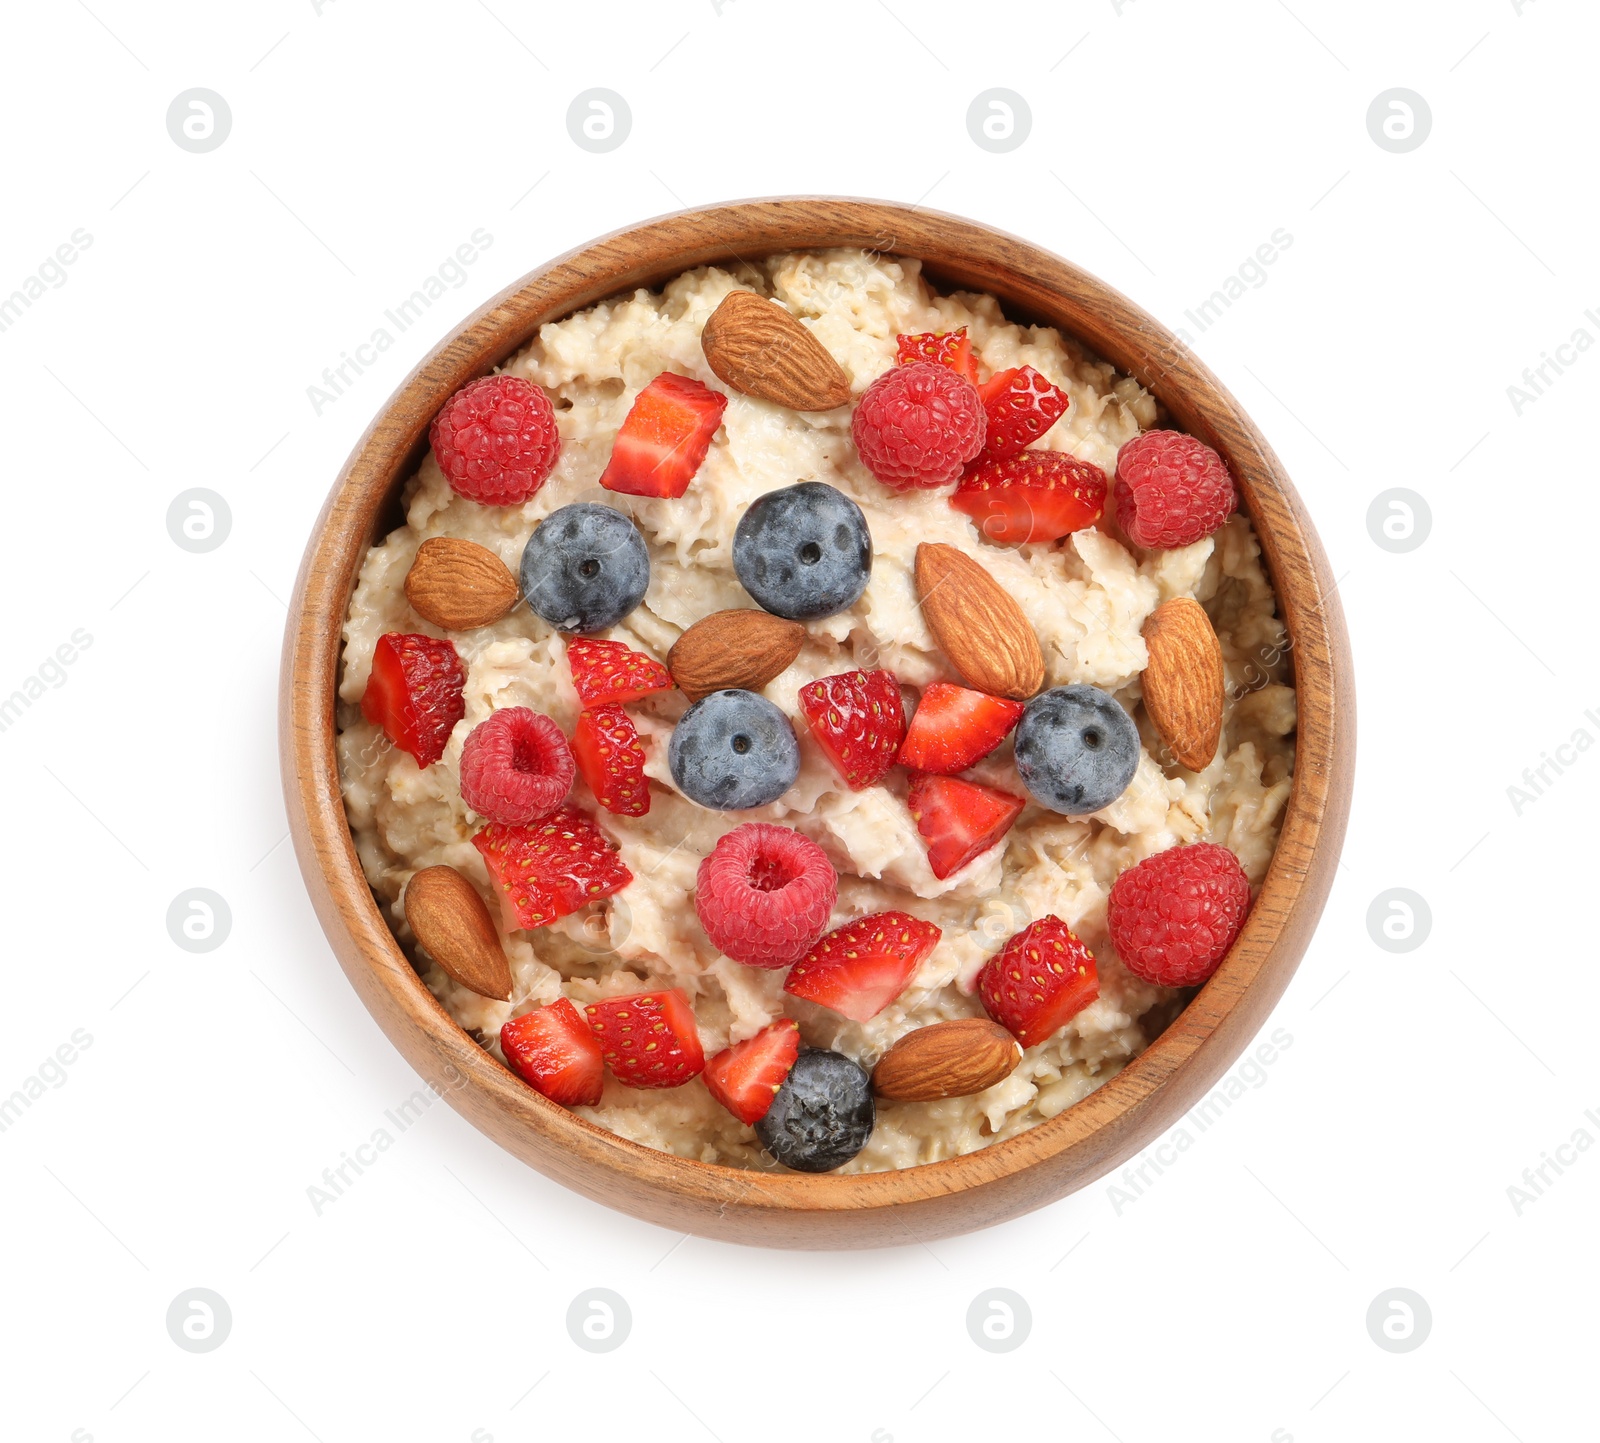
[
  {"x": 959, "y": 820},
  {"x": 607, "y": 671},
  {"x": 414, "y": 693},
  {"x": 1040, "y": 981},
  {"x": 1019, "y": 406},
  {"x": 1035, "y": 496},
  {"x": 943, "y": 348},
  {"x": 1173, "y": 917},
  {"x": 858, "y": 719},
  {"x": 764, "y": 894},
  {"x": 1171, "y": 490},
  {"x": 650, "y": 1039},
  {"x": 918, "y": 425},
  {"x": 554, "y": 1051},
  {"x": 746, "y": 1077},
  {"x": 496, "y": 440},
  {"x": 665, "y": 437},
  {"x": 611, "y": 758},
  {"x": 515, "y": 767},
  {"x": 954, "y": 727},
  {"x": 544, "y": 871},
  {"x": 860, "y": 968}
]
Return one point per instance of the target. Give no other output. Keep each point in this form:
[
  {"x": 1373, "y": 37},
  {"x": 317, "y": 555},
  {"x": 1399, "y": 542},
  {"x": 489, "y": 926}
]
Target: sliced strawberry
[
  {"x": 860, "y": 968},
  {"x": 858, "y": 719},
  {"x": 607, "y": 671},
  {"x": 414, "y": 693},
  {"x": 946, "y": 348},
  {"x": 1034, "y": 496},
  {"x": 1040, "y": 981},
  {"x": 959, "y": 820},
  {"x": 555, "y": 1053},
  {"x": 665, "y": 437},
  {"x": 1020, "y": 406},
  {"x": 551, "y": 867},
  {"x": 746, "y": 1077},
  {"x": 649, "y": 1039},
  {"x": 953, "y": 727},
  {"x": 606, "y": 747}
]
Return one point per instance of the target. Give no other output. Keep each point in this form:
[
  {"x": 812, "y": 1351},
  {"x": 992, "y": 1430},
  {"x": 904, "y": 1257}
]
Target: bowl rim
[{"x": 928, "y": 1200}]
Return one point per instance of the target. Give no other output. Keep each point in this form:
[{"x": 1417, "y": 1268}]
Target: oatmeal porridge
[{"x": 772, "y": 680}]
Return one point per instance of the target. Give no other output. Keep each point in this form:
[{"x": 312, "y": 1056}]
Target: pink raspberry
[
  {"x": 919, "y": 425},
  {"x": 764, "y": 894},
  {"x": 516, "y": 767},
  {"x": 496, "y": 440},
  {"x": 1174, "y": 916},
  {"x": 1171, "y": 490}
]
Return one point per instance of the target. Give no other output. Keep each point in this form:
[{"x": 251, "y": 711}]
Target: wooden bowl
[{"x": 792, "y": 1209}]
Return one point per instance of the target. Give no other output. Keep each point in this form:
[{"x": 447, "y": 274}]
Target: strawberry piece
[
  {"x": 550, "y": 868},
  {"x": 665, "y": 437},
  {"x": 414, "y": 693},
  {"x": 953, "y": 727},
  {"x": 604, "y": 672},
  {"x": 746, "y": 1077},
  {"x": 1034, "y": 496},
  {"x": 1040, "y": 981},
  {"x": 554, "y": 1051},
  {"x": 1020, "y": 406},
  {"x": 959, "y": 820},
  {"x": 606, "y": 746},
  {"x": 860, "y": 968},
  {"x": 944, "y": 348},
  {"x": 858, "y": 719},
  {"x": 649, "y": 1039}
]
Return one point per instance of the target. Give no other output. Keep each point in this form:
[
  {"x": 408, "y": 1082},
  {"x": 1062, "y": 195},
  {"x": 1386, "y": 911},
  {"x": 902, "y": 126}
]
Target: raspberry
[
  {"x": 764, "y": 894},
  {"x": 516, "y": 767},
  {"x": 1171, "y": 490},
  {"x": 918, "y": 425},
  {"x": 496, "y": 440},
  {"x": 1174, "y": 916}
]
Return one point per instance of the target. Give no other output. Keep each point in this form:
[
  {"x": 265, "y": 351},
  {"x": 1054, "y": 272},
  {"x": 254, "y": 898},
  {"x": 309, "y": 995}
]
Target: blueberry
[
  {"x": 733, "y": 750},
  {"x": 585, "y": 568},
  {"x": 1077, "y": 749},
  {"x": 803, "y": 552},
  {"x": 822, "y": 1115}
]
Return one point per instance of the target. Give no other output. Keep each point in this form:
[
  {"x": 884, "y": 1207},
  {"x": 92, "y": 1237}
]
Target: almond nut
[
  {"x": 978, "y": 625},
  {"x": 948, "y": 1059},
  {"x": 458, "y": 584},
  {"x": 1183, "y": 681},
  {"x": 760, "y": 350},
  {"x": 733, "y": 649},
  {"x": 453, "y": 927}
]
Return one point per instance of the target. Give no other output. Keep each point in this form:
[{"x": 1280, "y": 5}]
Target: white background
[{"x": 1228, "y": 1300}]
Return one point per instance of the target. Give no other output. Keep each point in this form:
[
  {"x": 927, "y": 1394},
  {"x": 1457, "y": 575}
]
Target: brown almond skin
[
  {"x": 458, "y": 584},
  {"x": 1183, "y": 680},
  {"x": 739, "y": 648},
  {"x": 946, "y": 1059},
  {"x": 977, "y": 623},
  {"x": 454, "y": 928},
  {"x": 757, "y": 348}
]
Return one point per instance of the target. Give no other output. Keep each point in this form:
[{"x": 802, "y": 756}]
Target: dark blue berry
[
  {"x": 803, "y": 552},
  {"x": 585, "y": 568},
  {"x": 1077, "y": 749},
  {"x": 733, "y": 750},
  {"x": 822, "y": 1115}
]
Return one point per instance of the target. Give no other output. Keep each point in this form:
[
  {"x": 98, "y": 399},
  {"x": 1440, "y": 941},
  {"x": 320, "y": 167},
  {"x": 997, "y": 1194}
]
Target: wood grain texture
[{"x": 786, "y": 1209}]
